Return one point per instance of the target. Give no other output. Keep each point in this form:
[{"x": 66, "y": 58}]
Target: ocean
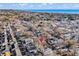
[{"x": 57, "y": 11}]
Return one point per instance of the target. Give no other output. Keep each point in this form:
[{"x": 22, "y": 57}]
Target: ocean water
[{"x": 57, "y": 11}]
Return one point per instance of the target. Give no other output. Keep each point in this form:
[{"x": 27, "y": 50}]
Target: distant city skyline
[{"x": 36, "y": 6}]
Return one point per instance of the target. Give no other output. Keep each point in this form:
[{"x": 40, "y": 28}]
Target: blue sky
[{"x": 27, "y": 6}]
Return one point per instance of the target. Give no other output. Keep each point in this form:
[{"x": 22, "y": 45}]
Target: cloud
[
  {"x": 39, "y": 5},
  {"x": 22, "y": 4}
]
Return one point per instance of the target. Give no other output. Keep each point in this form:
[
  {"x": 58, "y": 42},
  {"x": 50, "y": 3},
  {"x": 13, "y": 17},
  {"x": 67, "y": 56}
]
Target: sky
[{"x": 36, "y": 6}]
